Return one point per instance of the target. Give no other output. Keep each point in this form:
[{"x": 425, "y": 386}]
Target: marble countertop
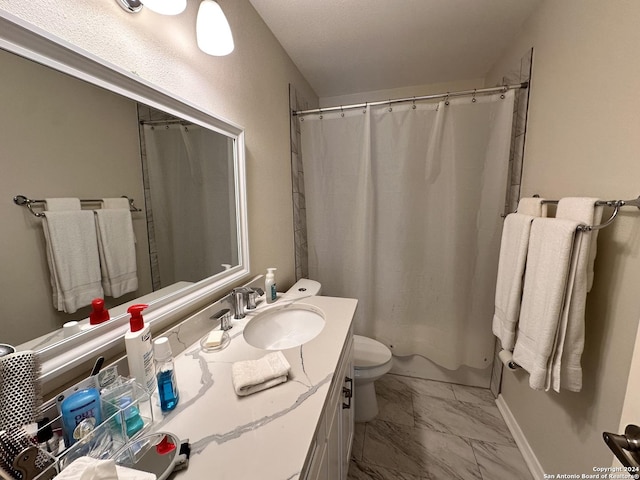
[{"x": 266, "y": 435}]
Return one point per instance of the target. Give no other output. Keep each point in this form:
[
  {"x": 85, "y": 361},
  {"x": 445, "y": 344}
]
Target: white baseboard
[{"x": 521, "y": 441}]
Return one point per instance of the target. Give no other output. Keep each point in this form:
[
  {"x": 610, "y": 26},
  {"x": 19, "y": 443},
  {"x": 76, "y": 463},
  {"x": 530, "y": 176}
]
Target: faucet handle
[
  {"x": 224, "y": 316},
  {"x": 252, "y": 296}
]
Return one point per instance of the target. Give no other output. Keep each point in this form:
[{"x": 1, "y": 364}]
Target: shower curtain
[
  {"x": 191, "y": 183},
  {"x": 403, "y": 213}
]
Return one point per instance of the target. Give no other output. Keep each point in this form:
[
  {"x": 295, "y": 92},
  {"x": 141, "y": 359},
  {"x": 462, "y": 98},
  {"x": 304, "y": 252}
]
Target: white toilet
[{"x": 371, "y": 359}]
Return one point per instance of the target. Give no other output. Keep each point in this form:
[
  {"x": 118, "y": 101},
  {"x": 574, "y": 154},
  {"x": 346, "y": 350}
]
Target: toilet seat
[
  {"x": 371, "y": 359},
  {"x": 369, "y": 353}
]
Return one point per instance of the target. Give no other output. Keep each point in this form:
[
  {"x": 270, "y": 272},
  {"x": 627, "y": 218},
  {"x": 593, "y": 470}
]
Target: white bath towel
[
  {"x": 548, "y": 264},
  {"x": 116, "y": 243},
  {"x": 60, "y": 204},
  {"x": 119, "y": 202},
  {"x": 566, "y": 371},
  {"x": 72, "y": 254},
  {"x": 511, "y": 265},
  {"x": 251, "y": 376},
  {"x": 532, "y": 206}
]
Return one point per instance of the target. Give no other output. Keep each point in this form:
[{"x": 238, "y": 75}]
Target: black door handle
[{"x": 626, "y": 447}]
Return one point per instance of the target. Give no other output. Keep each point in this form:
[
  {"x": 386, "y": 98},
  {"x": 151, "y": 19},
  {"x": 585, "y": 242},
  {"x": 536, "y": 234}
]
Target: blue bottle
[
  {"x": 81, "y": 413},
  {"x": 165, "y": 375}
]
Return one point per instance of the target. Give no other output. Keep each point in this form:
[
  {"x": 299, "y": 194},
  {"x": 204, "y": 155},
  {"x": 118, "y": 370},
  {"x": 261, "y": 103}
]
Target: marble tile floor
[{"x": 428, "y": 430}]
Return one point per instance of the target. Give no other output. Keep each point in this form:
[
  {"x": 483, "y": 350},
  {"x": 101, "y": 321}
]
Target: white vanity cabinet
[{"x": 331, "y": 450}]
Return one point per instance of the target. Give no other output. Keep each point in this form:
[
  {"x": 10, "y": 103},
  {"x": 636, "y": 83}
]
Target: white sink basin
[{"x": 285, "y": 327}]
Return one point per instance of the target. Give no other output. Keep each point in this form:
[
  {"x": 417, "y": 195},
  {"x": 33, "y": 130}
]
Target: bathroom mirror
[{"x": 91, "y": 130}]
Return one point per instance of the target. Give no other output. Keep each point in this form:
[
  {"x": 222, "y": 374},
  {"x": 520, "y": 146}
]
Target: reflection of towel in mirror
[
  {"x": 72, "y": 254},
  {"x": 251, "y": 376},
  {"x": 116, "y": 245}
]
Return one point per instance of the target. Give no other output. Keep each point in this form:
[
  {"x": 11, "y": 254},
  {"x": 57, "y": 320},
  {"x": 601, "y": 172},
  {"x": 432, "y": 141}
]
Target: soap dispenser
[
  {"x": 137, "y": 342},
  {"x": 270, "y": 285}
]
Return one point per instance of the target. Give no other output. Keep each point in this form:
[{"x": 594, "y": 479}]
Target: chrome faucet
[
  {"x": 239, "y": 302},
  {"x": 244, "y": 299}
]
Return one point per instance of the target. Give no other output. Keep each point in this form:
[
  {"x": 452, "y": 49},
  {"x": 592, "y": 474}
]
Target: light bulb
[
  {"x": 212, "y": 30},
  {"x": 165, "y": 7}
]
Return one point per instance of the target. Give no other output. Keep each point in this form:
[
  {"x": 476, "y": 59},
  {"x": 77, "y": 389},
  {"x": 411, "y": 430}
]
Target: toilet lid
[{"x": 368, "y": 352}]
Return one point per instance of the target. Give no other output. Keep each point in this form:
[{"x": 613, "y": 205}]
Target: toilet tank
[{"x": 303, "y": 288}]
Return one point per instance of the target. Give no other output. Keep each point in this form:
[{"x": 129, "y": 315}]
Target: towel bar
[
  {"x": 23, "y": 201},
  {"x": 615, "y": 204}
]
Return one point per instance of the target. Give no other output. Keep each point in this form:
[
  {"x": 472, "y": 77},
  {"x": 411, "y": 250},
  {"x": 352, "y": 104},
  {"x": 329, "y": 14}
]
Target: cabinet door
[
  {"x": 347, "y": 414},
  {"x": 334, "y": 444}
]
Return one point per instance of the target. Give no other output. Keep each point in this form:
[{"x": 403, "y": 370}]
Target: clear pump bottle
[{"x": 165, "y": 374}]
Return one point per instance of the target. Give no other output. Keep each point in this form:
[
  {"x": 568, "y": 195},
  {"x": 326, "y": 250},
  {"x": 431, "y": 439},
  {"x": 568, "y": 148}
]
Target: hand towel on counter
[
  {"x": 566, "y": 371},
  {"x": 511, "y": 265},
  {"x": 548, "y": 264},
  {"x": 72, "y": 255},
  {"x": 87, "y": 468},
  {"x": 116, "y": 245},
  {"x": 532, "y": 206},
  {"x": 251, "y": 376}
]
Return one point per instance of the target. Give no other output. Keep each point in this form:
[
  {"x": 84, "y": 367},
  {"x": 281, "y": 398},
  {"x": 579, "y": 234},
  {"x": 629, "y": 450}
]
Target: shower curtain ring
[
  {"x": 321, "y": 115},
  {"x": 364, "y": 110},
  {"x": 390, "y": 109},
  {"x": 414, "y": 103},
  {"x": 504, "y": 90},
  {"x": 473, "y": 99},
  {"x": 446, "y": 100},
  {"x": 341, "y": 111}
]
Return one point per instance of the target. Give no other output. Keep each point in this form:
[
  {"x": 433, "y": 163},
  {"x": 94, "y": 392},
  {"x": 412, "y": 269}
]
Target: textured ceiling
[{"x": 351, "y": 46}]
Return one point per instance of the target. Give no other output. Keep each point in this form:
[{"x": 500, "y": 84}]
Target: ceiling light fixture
[
  {"x": 213, "y": 32},
  {"x": 165, "y": 7}
]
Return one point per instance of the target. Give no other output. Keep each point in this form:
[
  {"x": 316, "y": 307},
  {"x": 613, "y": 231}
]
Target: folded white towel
[
  {"x": 566, "y": 371},
  {"x": 532, "y": 206},
  {"x": 251, "y": 376},
  {"x": 58, "y": 204},
  {"x": 511, "y": 265},
  {"x": 87, "y": 468},
  {"x": 117, "y": 202},
  {"x": 548, "y": 260},
  {"x": 116, "y": 244},
  {"x": 72, "y": 254}
]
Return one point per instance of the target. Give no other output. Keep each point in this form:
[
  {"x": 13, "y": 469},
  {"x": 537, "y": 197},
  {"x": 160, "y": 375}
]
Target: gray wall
[{"x": 582, "y": 140}]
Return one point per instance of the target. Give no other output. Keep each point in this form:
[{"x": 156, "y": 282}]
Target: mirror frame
[{"x": 33, "y": 43}]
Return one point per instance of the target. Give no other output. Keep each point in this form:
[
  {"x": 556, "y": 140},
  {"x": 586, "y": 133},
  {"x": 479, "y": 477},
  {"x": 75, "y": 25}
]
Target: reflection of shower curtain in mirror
[
  {"x": 190, "y": 175},
  {"x": 403, "y": 213}
]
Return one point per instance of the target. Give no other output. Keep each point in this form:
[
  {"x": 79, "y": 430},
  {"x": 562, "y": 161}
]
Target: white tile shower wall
[
  {"x": 519, "y": 74},
  {"x": 297, "y": 181}
]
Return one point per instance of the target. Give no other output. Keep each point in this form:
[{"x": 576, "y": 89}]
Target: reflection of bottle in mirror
[
  {"x": 165, "y": 374},
  {"x": 98, "y": 313},
  {"x": 270, "y": 285}
]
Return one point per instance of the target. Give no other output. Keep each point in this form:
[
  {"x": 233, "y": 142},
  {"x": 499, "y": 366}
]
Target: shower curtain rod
[
  {"x": 165, "y": 122},
  {"x": 476, "y": 91}
]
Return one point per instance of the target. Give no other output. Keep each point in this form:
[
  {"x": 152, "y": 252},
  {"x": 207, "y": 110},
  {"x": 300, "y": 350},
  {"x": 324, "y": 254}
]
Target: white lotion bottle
[
  {"x": 270, "y": 288},
  {"x": 137, "y": 342}
]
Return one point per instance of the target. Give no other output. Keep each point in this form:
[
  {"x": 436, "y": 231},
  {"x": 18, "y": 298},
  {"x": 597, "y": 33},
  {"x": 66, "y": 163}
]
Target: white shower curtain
[
  {"x": 191, "y": 181},
  {"x": 403, "y": 213}
]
